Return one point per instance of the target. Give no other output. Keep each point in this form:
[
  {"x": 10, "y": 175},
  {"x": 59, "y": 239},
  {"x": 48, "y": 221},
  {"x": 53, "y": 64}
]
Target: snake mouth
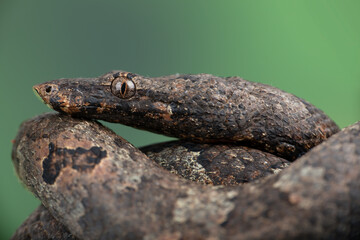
[
  {"x": 43, "y": 92},
  {"x": 36, "y": 90}
]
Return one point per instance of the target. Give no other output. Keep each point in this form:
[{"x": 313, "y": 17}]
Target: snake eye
[{"x": 123, "y": 88}]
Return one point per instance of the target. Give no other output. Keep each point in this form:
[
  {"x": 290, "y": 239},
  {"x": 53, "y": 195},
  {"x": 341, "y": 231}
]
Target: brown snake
[{"x": 98, "y": 186}]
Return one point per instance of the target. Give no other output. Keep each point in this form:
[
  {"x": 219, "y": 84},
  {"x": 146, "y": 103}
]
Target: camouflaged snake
[{"x": 99, "y": 186}]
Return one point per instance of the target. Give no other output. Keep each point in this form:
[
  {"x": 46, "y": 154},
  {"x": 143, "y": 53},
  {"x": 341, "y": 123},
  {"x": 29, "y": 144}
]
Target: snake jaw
[
  {"x": 42, "y": 91},
  {"x": 55, "y": 96}
]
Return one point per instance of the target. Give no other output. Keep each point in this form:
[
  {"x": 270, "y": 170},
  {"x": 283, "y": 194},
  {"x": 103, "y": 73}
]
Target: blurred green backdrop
[{"x": 309, "y": 48}]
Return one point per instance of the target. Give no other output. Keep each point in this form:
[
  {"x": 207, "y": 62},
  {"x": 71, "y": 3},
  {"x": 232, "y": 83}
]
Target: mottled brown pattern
[
  {"x": 215, "y": 164},
  {"x": 201, "y": 107},
  {"x": 97, "y": 185},
  {"x": 127, "y": 196},
  {"x": 80, "y": 159}
]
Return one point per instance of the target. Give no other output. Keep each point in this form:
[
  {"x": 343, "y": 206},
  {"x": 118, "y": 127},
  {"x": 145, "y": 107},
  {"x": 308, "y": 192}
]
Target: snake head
[
  {"x": 45, "y": 92},
  {"x": 117, "y": 96},
  {"x": 65, "y": 95}
]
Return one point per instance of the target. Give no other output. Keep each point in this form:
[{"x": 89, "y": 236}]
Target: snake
[{"x": 252, "y": 162}]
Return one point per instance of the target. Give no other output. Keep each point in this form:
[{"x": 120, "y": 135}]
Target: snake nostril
[{"x": 48, "y": 89}]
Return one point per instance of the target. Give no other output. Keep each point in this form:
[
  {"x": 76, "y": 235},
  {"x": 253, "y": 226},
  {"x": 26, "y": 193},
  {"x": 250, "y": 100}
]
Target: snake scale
[{"x": 93, "y": 184}]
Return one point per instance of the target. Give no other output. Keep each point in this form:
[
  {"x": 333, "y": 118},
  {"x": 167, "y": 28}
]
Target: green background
[{"x": 309, "y": 48}]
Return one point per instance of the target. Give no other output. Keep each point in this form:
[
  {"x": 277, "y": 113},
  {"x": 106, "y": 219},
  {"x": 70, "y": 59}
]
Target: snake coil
[{"x": 93, "y": 184}]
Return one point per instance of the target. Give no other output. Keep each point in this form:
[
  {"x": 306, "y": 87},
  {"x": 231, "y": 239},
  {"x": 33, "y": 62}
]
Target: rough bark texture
[
  {"x": 100, "y": 186},
  {"x": 201, "y": 107}
]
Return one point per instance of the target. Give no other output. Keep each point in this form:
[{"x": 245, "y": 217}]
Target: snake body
[
  {"x": 202, "y": 108},
  {"x": 99, "y": 186},
  {"x": 215, "y": 164}
]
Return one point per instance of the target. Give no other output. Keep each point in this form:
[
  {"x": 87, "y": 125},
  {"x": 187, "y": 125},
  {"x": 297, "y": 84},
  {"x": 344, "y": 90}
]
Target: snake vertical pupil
[{"x": 123, "y": 88}]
